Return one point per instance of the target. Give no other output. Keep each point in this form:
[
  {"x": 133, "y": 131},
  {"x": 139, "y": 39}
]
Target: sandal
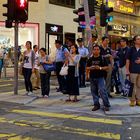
[
  {"x": 75, "y": 100},
  {"x": 68, "y": 100}
]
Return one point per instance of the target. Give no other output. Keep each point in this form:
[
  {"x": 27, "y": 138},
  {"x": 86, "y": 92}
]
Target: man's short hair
[
  {"x": 104, "y": 37},
  {"x": 124, "y": 39}
]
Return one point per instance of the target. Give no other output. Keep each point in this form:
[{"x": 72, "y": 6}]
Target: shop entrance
[{"x": 53, "y": 32}]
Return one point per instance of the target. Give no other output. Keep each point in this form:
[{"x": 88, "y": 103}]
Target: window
[{"x": 65, "y": 3}]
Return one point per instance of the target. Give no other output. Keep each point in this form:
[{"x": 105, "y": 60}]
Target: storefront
[
  {"x": 53, "y": 32},
  {"x": 28, "y": 31}
]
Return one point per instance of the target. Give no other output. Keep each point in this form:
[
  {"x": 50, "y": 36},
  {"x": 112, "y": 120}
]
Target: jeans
[
  {"x": 108, "y": 80},
  {"x": 45, "y": 83},
  {"x": 27, "y": 77},
  {"x": 122, "y": 72},
  {"x": 98, "y": 88}
]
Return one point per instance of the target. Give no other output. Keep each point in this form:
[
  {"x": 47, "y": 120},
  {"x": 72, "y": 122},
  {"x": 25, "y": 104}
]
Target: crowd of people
[{"x": 106, "y": 67}]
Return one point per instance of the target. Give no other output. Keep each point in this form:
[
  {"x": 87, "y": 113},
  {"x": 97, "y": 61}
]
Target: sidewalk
[{"x": 56, "y": 102}]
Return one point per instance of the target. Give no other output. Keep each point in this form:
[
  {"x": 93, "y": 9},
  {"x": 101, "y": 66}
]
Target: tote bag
[
  {"x": 128, "y": 88},
  {"x": 64, "y": 70}
]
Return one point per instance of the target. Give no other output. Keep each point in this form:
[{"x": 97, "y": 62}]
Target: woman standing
[
  {"x": 28, "y": 66},
  {"x": 73, "y": 73},
  {"x": 44, "y": 76}
]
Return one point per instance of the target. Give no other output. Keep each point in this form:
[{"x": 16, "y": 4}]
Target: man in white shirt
[
  {"x": 36, "y": 77},
  {"x": 83, "y": 51}
]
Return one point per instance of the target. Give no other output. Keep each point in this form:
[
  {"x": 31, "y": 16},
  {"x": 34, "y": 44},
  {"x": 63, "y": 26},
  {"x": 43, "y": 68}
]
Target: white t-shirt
[{"x": 28, "y": 60}]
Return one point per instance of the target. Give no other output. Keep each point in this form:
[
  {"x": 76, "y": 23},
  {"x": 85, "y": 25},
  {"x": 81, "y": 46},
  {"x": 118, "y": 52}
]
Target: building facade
[{"x": 53, "y": 19}]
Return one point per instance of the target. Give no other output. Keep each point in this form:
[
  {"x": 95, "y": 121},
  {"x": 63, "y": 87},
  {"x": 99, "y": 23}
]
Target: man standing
[
  {"x": 97, "y": 66},
  {"x": 60, "y": 60},
  {"x": 133, "y": 69},
  {"x": 122, "y": 52},
  {"x": 36, "y": 77},
  {"x": 82, "y": 65},
  {"x": 106, "y": 53}
]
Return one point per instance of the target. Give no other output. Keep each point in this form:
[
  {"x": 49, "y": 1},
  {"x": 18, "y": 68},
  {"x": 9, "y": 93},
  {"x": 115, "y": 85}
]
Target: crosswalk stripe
[
  {"x": 11, "y": 92},
  {"x": 67, "y": 116},
  {"x": 6, "y": 135},
  {"x": 6, "y": 85},
  {"x": 63, "y": 129}
]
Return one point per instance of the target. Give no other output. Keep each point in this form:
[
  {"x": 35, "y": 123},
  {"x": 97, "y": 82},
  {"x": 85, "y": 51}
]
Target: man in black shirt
[
  {"x": 98, "y": 66},
  {"x": 106, "y": 53},
  {"x": 122, "y": 52},
  {"x": 133, "y": 69}
]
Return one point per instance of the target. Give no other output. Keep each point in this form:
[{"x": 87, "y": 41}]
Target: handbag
[
  {"x": 64, "y": 70},
  {"x": 128, "y": 88},
  {"x": 49, "y": 67}
]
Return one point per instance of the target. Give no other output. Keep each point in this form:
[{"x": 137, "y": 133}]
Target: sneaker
[
  {"x": 138, "y": 103},
  {"x": 46, "y": 96},
  {"x": 95, "y": 108},
  {"x": 106, "y": 108},
  {"x": 132, "y": 103},
  {"x": 30, "y": 93}
]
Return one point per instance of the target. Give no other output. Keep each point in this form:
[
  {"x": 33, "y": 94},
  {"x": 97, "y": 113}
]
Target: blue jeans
[{"x": 98, "y": 87}]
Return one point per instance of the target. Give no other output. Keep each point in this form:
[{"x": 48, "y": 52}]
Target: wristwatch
[{"x": 100, "y": 68}]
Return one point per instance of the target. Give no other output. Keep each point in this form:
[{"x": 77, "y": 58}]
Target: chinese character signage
[{"x": 123, "y": 6}]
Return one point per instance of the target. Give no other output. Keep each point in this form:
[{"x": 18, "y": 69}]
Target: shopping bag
[
  {"x": 128, "y": 88},
  {"x": 64, "y": 70},
  {"x": 49, "y": 67}
]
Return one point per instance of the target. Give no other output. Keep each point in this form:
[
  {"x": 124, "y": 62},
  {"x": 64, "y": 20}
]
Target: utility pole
[
  {"x": 106, "y": 27},
  {"x": 16, "y": 59},
  {"x": 88, "y": 28}
]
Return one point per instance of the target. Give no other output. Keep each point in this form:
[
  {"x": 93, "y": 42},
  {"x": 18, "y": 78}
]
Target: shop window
[
  {"x": 29, "y": 31},
  {"x": 65, "y": 3}
]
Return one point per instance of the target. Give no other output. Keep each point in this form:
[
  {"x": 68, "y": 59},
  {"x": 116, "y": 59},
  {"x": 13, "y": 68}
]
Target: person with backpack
[
  {"x": 97, "y": 65},
  {"x": 60, "y": 59},
  {"x": 133, "y": 70}
]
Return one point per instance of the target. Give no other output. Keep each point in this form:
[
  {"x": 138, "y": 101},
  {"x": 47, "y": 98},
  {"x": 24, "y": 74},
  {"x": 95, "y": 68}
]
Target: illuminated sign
[
  {"x": 54, "y": 28},
  {"x": 124, "y": 6},
  {"x": 121, "y": 28}
]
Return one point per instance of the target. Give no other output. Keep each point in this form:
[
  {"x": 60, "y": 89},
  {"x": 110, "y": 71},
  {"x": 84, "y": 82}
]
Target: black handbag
[{"x": 128, "y": 88}]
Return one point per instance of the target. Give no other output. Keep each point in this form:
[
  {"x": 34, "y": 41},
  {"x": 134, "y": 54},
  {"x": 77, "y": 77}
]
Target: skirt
[{"x": 72, "y": 82}]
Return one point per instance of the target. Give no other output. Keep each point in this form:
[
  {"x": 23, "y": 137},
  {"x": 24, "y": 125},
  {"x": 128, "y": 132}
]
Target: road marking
[
  {"x": 6, "y": 135},
  {"x": 6, "y": 85},
  {"x": 64, "y": 129},
  {"x": 67, "y": 116},
  {"x": 12, "y": 92}
]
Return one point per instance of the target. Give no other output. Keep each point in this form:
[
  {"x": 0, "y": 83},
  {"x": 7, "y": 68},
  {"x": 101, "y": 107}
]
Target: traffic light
[
  {"x": 10, "y": 5},
  {"x": 104, "y": 18},
  {"x": 81, "y": 16},
  {"x": 91, "y": 5},
  {"x": 21, "y": 13}
]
